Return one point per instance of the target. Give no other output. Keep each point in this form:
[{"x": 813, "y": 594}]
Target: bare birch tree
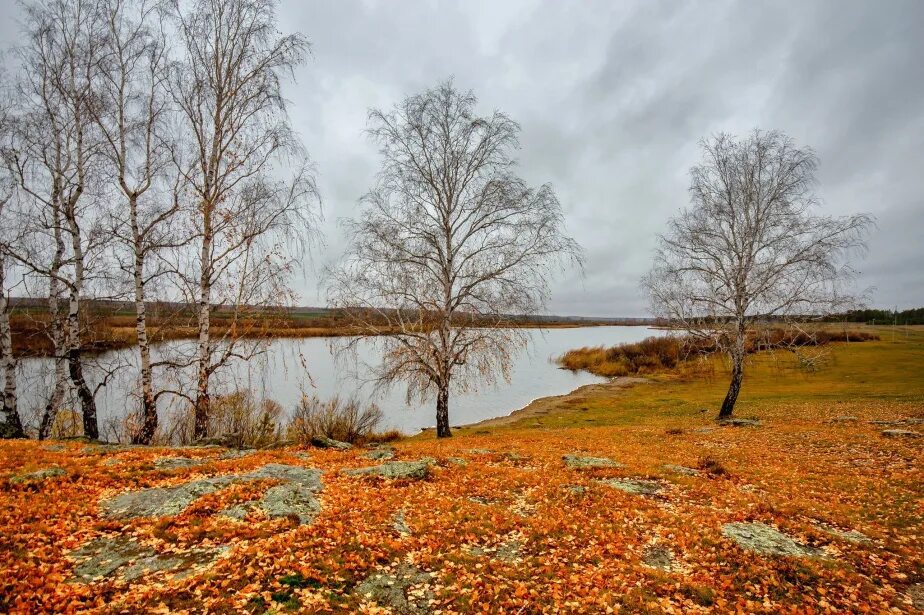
[
  {"x": 11, "y": 424},
  {"x": 449, "y": 243},
  {"x": 131, "y": 109},
  {"x": 53, "y": 166},
  {"x": 246, "y": 218},
  {"x": 750, "y": 248}
]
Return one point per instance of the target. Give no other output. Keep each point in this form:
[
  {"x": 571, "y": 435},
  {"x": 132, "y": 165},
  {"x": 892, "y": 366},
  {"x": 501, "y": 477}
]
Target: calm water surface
[{"x": 280, "y": 374}]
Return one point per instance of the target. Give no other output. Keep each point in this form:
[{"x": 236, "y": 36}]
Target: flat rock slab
[
  {"x": 479, "y": 451},
  {"x": 290, "y": 500},
  {"x": 676, "y": 469},
  {"x": 236, "y": 454},
  {"x": 170, "y": 501},
  {"x": 399, "y": 524},
  {"x": 161, "y": 501},
  {"x": 740, "y": 422},
  {"x": 308, "y": 477},
  {"x": 397, "y": 469},
  {"x": 916, "y": 594},
  {"x": 849, "y": 535},
  {"x": 325, "y": 442},
  {"x": 124, "y": 558},
  {"x": 107, "y": 449},
  {"x": 38, "y": 476},
  {"x": 177, "y": 463},
  {"x": 577, "y": 462},
  {"x": 295, "y": 498},
  {"x": 843, "y": 419},
  {"x": 766, "y": 540},
  {"x": 509, "y": 551},
  {"x": 661, "y": 558},
  {"x": 910, "y": 421},
  {"x": 901, "y": 433},
  {"x": 635, "y": 486},
  {"x": 379, "y": 454},
  {"x": 405, "y": 590}
]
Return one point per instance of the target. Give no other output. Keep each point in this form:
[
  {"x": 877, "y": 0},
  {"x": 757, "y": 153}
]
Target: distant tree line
[{"x": 914, "y": 316}]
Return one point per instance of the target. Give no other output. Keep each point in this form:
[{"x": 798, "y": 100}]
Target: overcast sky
[{"x": 612, "y": 98}]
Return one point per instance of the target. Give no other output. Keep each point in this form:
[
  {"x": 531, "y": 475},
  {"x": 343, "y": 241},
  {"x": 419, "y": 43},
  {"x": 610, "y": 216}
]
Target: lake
[{"x": 280, "y": 374}]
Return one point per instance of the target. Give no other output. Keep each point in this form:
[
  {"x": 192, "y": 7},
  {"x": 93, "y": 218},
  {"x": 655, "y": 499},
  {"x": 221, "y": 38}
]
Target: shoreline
[
  {"x": 542, "y": 406},
  {"x": 122, "y": 338}
]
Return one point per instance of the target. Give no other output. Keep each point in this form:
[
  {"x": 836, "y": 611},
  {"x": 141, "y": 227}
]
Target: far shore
[{"x": 113, "y": 326}]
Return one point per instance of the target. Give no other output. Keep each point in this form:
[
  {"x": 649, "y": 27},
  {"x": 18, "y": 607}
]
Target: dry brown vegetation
[
  {"x": 344, "y": 420},
  {"x": 103, "y": 330},
  {"x": 655, "y": 354}
]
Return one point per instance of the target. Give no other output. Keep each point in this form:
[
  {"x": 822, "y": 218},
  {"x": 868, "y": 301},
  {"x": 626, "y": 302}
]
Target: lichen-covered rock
[
  {"x": 38, "y": 475},
  {"x": 901, "y": 433},
  {"x": 662, "y": 558},
  {"x": 577, "y": 489},
  {"x": 843, "y": 419},
  {"x": 169, "y": 501},
  {"x": 677, "y": 469},
  {"x": 404, "y": 590},
  {"x": 124, "y": 558},
  {"x": 853, "y": 536},
  {"x": 764, "y": 539},
  {"x": 457, "y": 461},
  {"x": 509, "y": 550},
  {"x": 176, "y": 463},
  {"x": 236, "y": 453},
  {"x": 577, "y": 462},
  {"x": 479, "y": 451},
  {"x": 736, "y": 422},
  {"x": 635, "y": 486},
  {"x": 161, "y": 501},
  {"x": 916, "y": 594},
  {"x": 325, "y": 442},
  {"x": 238, "y": 511},
  {"x": 399, "y": 524},
  {"x": 107, "y": 449},
  {"x": 894, "y": 422},
  {"x": 308, "y": 477},
  {"x": 291, "y": 499},
  {"x": 294, "y": 498},
  {"x": 397, "y": 469},
  {"x": 379, "y": 454}
]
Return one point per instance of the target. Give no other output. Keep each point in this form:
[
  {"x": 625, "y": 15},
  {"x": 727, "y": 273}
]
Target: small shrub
[
  {"x": 347, "y": 421},
  {"x": 391, "y": 435},
  {"x": 712, "y": 466},
  {"x": 238, "y": 420},
  {"x": 67, "y": 424}
]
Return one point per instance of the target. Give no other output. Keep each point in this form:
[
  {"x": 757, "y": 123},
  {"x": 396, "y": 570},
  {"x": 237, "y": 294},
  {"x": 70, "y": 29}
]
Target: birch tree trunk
[
  {"x": 12, "y": 427},
  {"x": 737, "y": 354},
  {"x": 203, "y": 401},
  {"x": 442, "y": 412},
  {"x": 57, "y": 325},
  {"x": 75, "y": 346},
  {"x": 148, "y": 401}
]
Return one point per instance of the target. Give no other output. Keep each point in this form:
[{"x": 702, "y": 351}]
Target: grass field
[{"x": 496, "y": 521}]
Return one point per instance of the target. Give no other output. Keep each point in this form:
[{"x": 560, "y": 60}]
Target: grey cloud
[{"x": 613, "y": 98}]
